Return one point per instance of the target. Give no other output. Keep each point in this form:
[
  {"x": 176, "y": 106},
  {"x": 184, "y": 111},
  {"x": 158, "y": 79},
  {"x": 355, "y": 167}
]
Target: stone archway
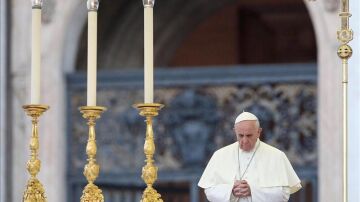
[{"x": 128, "y": 51}]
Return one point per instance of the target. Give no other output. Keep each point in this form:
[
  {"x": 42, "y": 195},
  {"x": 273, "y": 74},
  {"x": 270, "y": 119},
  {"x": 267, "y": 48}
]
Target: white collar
[{"x": 252, "y": 150}]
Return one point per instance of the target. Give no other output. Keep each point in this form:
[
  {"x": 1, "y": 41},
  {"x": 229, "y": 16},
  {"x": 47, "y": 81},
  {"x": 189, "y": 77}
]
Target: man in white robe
[{"x": 249, "y": 170}]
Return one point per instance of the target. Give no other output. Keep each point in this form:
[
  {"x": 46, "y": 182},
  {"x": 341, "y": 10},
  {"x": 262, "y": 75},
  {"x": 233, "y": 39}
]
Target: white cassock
[{"x": 266, "y": 169}]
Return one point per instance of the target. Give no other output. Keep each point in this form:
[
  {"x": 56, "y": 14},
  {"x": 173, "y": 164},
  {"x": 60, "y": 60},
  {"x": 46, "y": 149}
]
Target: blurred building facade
[{"x": 275, "y": 58}]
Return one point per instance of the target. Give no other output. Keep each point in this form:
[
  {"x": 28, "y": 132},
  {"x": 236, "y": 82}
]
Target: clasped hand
[{"x": 241, "y": 189}]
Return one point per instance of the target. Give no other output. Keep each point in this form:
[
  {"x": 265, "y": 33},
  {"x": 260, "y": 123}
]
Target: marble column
[{"x": 324, "y": 15}]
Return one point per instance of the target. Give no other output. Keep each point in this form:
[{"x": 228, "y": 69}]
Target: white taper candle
[
  {"x": 92, "y": 58},
  {"x": 148, "y": 56},
  {"x": 35, "y": 55}
]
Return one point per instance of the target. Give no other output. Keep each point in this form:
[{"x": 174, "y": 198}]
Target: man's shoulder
[
  {"x": 268, "y": 149},
  {"x": 226, "y": 149},
  {"x": 265, "y": 148}
]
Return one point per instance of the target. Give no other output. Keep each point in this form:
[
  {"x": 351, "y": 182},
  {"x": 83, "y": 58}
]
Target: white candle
[
  {"x": 91, "y": 62},
  {"x": 35, "y": 55},
  {"x": 148, "y": 56}
]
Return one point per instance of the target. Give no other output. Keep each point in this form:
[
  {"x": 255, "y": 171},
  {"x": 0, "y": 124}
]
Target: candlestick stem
[
  {"x": 34, "y": 191},
  {"x": 91, "y": 192},
  {"x": 149, "y": 171}
]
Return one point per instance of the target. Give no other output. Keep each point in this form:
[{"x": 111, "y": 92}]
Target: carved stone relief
[{"x": 196, "y": 122}]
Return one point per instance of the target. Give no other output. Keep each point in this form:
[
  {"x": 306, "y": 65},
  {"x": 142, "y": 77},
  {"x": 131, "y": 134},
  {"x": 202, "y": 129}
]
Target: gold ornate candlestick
[
  {"x": 345, "y": 35},
  {"x": 34, "y": 191},
  {"x": 91, "y": 192},
  {"x": 149, "y": 171}
]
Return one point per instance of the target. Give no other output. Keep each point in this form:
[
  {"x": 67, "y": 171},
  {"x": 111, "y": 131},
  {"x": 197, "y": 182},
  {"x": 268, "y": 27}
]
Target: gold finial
[{"x": 344, "y": 51}]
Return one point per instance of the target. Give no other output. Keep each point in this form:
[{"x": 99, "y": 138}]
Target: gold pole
[
  {"x": 345, "y": 35},
  {"x": 34, "y": 191},
  {"x": 149, "y": 171},
  {"x": 91, "y": 192}
]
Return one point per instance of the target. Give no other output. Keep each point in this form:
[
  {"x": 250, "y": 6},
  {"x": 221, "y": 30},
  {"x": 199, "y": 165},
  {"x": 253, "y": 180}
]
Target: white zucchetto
[{"x": 246, "y": 116}]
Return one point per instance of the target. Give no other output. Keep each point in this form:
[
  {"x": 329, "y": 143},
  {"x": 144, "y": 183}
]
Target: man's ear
[
  {"x": 260, "y": 130},
  {"x": 234, "y": 133}
]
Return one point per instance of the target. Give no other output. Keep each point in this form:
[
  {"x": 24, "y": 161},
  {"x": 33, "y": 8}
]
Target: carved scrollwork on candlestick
[
  {"x": 149, "y": 171},
  {"x": 34, "y": 191},
  {"x": 91, "y": 192}
]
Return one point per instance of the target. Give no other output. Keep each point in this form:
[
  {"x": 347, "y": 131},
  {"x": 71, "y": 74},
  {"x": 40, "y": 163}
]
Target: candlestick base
[
  {"x": 91, "y": 192},
  {"x": 149, "y": 171},
  {"x": 34, "y": 191}
]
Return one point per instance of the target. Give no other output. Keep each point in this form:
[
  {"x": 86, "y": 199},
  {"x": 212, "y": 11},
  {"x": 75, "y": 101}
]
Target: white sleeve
[
  {"x": 220, "y": 193},
  {"x": 269, "y": 194}
]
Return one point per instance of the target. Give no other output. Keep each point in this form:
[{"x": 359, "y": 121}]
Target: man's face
[{"x": 247, "y": 133}]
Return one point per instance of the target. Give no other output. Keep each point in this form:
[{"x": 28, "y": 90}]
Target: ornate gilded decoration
[
  {"x": 345, "y": 36},
  {"x": 197, "y": 122},
  {"x": 149, "y": 171},
  {"x": 91, "y": 192},
  {"x": 344, "y": 51},
  {"x": 34, "y": 191}
]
